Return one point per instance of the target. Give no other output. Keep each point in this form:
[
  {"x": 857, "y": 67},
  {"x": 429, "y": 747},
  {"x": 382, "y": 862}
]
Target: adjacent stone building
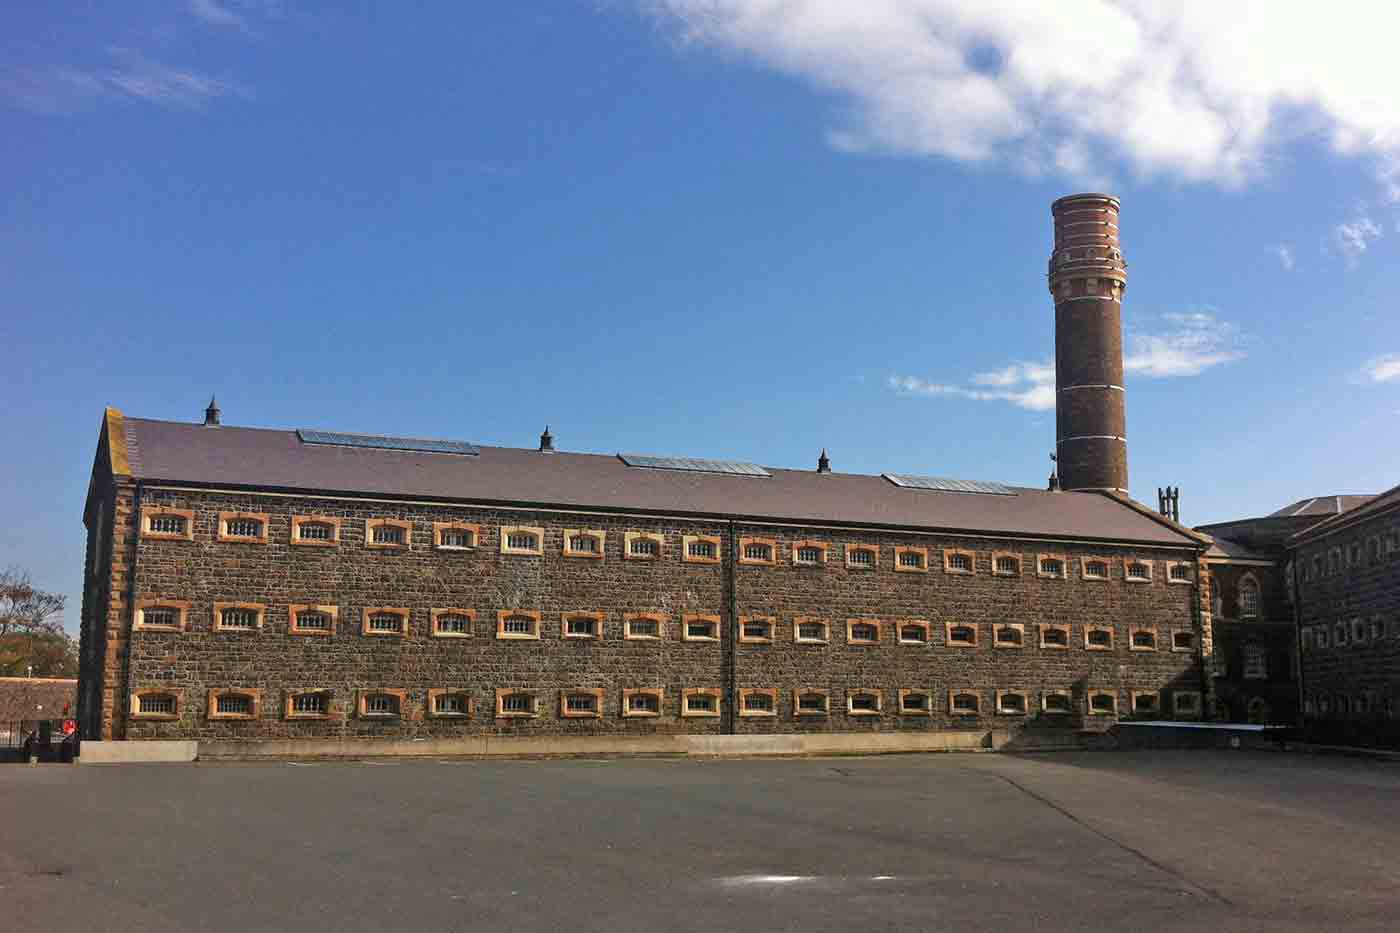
[
  {"x": 249, "y": 584},
  {"x": 1346, "y": 570}
]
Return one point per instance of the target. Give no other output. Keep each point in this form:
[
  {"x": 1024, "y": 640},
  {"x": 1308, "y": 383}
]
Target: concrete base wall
[{"x": 104, "y": 753}]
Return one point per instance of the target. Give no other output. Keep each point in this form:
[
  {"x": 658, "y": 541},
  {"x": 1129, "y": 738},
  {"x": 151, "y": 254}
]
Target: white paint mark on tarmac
[{"x": 746, "y": 880}]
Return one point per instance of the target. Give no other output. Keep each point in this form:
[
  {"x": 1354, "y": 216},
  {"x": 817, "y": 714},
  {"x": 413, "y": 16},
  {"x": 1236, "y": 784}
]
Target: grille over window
[
  {"x": 382, "y": 704},
  {"x": 1181, "y": 640},
  {"x": 701, "y": 628},
  {"x": 861, "y": 557},
  {"x": 315, "y": 531},
  {"x": 962, "y": 635},
  {"x": 643, "y": 628},
  {"x": 518, "y": 625},
  {"x": 581, "y": 626},
  {"x": 1008, "y": 565},
  {"x": 913, "y": 633},
  {"x": 644, "y": 703},
  {"x": 517, "y": 703},
  {"x": 865, "y": 702},
  {"x": 234, "y": 704},
  {"x": 965, "y": 703},
  {"x": 450, "y": 704},
  {"x": 521, "y": 541},
  {"x": 454, "y": 625},
  {"x": 915, "y": 702},
  {"x": 911, "y": 559},
  {"x": 1008, "y": 635},
  {"x": 758, "y": 628},
  {"x": 387, "y": 534},
  {"x": 1097, "y": 569},
  {"x": 704, "y": 549},
  {"x": 1100, "y": 637},
  {"x": 310, "y": 703},
  {"x": 758, "y": 552},
  {"x": 809, "y": 555},
  {"x": 457, "y": 537},
  {"x": 1144, "y": 639},
  {"x": 701, "y": 702},
  {"x": 1054, "y": 636},
  {"x": 960, "y": 562},
  {"x": 644, "y": 547},
  {"x": 243, "y": 528},
  {"x": 584, "y": 544},
  {"x": 239, "y": 618},
  {"x": 581, "y": 703},
  {"x": 386, "y": 622},
  {"x": 1181, "y": 572},
  {"x": 812, "y": 702},
  {"x": 169, "y": 618},
  {"x": 1052, "y": 567},
  {"x": 168, "y": 524},
  {"x": 864, "y": 631},
  {"x": 758, "y": 702},
  {"x": 1139, "y": 571},
  {"x": 157, "y": 703},
  {"x": 811, "y": 631}
]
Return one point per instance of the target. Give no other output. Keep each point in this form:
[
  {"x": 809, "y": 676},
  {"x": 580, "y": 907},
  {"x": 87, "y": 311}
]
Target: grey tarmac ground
[{"x": 1096, "y": 841}]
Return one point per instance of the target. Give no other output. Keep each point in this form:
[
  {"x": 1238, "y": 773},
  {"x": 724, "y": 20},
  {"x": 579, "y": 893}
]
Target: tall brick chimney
[{"x": 1087, "y": 278}]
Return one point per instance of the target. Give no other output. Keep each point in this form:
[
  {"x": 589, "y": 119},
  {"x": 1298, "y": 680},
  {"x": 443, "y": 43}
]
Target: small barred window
[
  {"x": 454, "y": 624},
  {"x": 701, "y": 703},
  {"x": 385, "y": 622},
  {"x": 1145, "y": 640},
  {"x": 812, "y": 631},
  {"x": 581, "y": 703},
  {"x": 756, "y": 702},
  {"x": 387, "y": 534},
  {"x": 757, "y": 551},
  {"x": 522, "y": 541},
  {"x": 1103, "y": 703},
  {"x": 157, "y": 703},
  {"x": 161, "y": 616},
  {"x": 1008, "y": 565},
  {"x": 914, "y": 702},
  {"x": 234, "y": 704},
  {"x": 1249, "y": 597},
  {"x": 1054, "y": 636},
  {"x": 456, "y": 538},
  {"x": 1182, "y": 641},
  {"x": 911, "y": 559},
  {"x": 913, "y": 633},
  {"x": 644, "y": 547},
  {"x": 644, "y": 627},
  {"x": 517, "y": 703},
  {"x": 1011, "y": 703},
  {"x": 1137, "y": 570},
  {"x": 239, "y": 618},
  {"x": 962, "y": 635},
  {"x": 1099, "y": 638},
  {"x": 863, "y": 701},
  {"x": 809, "y": 555},
  {"x": 1056, "y": 703},
  {"x": 965, "y": 703},
  {"x": 583, "y": 544},
  {"x": 381, "y": 704},
  {"x": 313, "y": 620},
  {"x": 1052, "y": 567},
  {"x": 960, "y": 563},
  {"x": 860, "y": 557},
  {"x": 705, "y": 550},
  {"x": 644, "y": 703},
  {"x": 1144, "y": 703},
  {"x": 702, "y": 629},
  {"x": 581, "y": 627},
  {"x": 315, "y": 531},
  {"x": 811, "y": 702},
  {"x": 1096, "y": 569},
  {"x": 758, "y": 630},
  {"x": 450, "y": 704},
  {"x": 518, "y": 625},
  {"x": 864, "y": 632},
  {"x": 1181, "y": 572},
  {"x": 243, "y": 528},
  {"x": 310, "y": 704},
  {"x": 1008, "y": 635},
  {"x": 168, "y": 524}
]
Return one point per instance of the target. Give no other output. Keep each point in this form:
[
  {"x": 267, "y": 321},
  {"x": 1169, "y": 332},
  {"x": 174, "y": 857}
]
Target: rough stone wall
[
  {"x": 1359, "y": 596},
  {"x": 1273, "y": 630},
  {"x": 351, "y": 576}
]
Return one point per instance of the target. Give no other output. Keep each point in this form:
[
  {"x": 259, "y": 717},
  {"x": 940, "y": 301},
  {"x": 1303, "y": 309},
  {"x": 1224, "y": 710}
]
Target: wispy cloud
[
  {"x": 1382, "y": 369},
  {"x": 130, "y": 76},
  {"x": 1187, "y": 344},
  {"x": 1170, "y": 92},
  {"x": 1285, "y": 256},
  {"x": 216, "y": 14},
  {"x": 1353, "y": 237}
]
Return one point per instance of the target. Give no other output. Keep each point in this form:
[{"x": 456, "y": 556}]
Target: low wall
[
  {"x": 104, "y": 753},
  {"x": 1131, "y": 735}
]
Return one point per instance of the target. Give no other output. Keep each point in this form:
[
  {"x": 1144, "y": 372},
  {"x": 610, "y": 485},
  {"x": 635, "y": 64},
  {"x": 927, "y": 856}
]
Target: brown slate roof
[
  {"x": 256, "y": 457},
  {"x": 1224, "y": 549},
  {"x": 1321, "y": 506},
  {"x": 1390, "y": 499},
  {"x": 20, "y": 695}
]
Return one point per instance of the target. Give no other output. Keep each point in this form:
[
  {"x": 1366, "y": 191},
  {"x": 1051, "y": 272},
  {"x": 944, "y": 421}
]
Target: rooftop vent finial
[
  {"x": 1169, "y": 502},
  {"x": 823, "y": 462},
  {"x": 1054, "y": 484},
  {"x": 546, "y": 441},
  {"x": 211, "y": 414}
]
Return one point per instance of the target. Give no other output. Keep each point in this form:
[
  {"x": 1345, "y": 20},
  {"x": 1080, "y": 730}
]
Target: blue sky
[{"x": 698, "y": 227}]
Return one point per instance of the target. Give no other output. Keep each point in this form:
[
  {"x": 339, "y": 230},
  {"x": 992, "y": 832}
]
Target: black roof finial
[
  {"x": 1054, "y": 484},
  {"x": 211, "y": 414},
  {"x": 823, "y": 462},
  {"x": 546, "y": 441}
]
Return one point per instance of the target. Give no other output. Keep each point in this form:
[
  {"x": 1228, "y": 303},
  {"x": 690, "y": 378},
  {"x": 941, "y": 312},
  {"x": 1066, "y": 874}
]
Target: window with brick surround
[
  {"x": 862, "y": 556},
  {"x": 911, "y": 560},
  {"x": 1137, "y": 571},
  {"x": 1095, "y": 569},
  {"x": 915, "y": 703},
  {"x": 1180, "y": 573},
  {"x": 311, "y": 620},
  {"x": 1145, "y": 703},
  {"x": 914, "y": 632},
  {"x": 1098, "y": 638},
  {"x": 517, "y": 624},
  {"x": 964, "y": 703},
  {"x": 1006, "y": 565},
  {"x": 809, "y": 553},
  {"x": 1142, "y": 639},
  {"x": 1255, "y": 662},
  {"x": 757, "y": 551},
  {"x": 642, "y": 545},
  {"x": 587, "y": 543},
  {"x": 959, "y": 561},
  {"x": 166, "y": 524},
  {"x": 1050, "y": 566},
  {"x": 809, "y": 631},
  {"x": 233, "y": 703},
  {"x": 758, "y": 701},
  {"x": 581, "y": 704},
  {"x": 1102, "y": 703},
  {"x": 1183, "y": 641},
  {"x": 808, "y": 702},
  {"x": 388, "y": 534},
  {"x": 700, "y": 628},
  {"x": 308, "y": 704},
  {"x": 756, "y": 630},
  {"x": 161, "y": 615},
  {"x": 515, "y": 704},
  {"x": 586, "y": 625},
  {"x": 643, "y": 626},
  {"x": 384, "y": 620},
  {"x": 960, "y": 634},
  {"x": 700, "y": 549},
  {"x": 641, "y": 703},
  {"x": 864, "y": 701},
  {"x": 1054, "y": 635},
  {"x": 1008, "y": 635},
  {"x": 1249, "y": 597},
  {"x": 455, "y": 536},
  {"x": 446, "y": 703},
  {"x": 238, "y": 617},
  {"x": 242, "y": 527},
  {"x": 381, "y": 704},
  {"x": 315, "y": 530},
  {"x": 522, "y": 540},
  {"x": 1012, "y": 703},
  {"x": 862, "y": 631},
  {"x": 1056, "y": 702},
  {"x": 700, "y": 702},
  {"x": 451, "y": 622},
  {"x": 1186, "y": 703},
  {"x": 155, "y": 703}
]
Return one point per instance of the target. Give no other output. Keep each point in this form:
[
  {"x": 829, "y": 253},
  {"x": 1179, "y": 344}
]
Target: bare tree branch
[{"x": 26, "y": 610}]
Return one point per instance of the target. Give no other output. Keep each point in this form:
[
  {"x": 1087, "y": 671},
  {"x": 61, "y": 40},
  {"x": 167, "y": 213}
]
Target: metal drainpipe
[
  {"x": 1207, "y": 712},
  {"x": 130, "y": 621},
  {"x": 731, "y": 648},
  {"x": 1300, "y": 719}
]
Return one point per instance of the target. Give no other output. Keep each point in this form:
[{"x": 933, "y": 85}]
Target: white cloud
[
  {"x": 131, "y": 76},
  {"x": 1382, "y": 369},
  {"x": 1076, "y": 86},
  {"x": 1285, "y": 256},
  {"x": 1186, "y": 345},
  {"x": 1353, "y": 238},
  {"x": 215, "y": 14}
]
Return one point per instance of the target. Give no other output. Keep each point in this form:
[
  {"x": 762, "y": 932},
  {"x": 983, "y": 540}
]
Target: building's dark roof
[
  {"x": 19, "y": 697},
  {"x": 1224, "y": 549},
  {"x": 1321, "y": 506},
  {"x": 255, "y": 457},
  {"x": 1390, "y": 499}
]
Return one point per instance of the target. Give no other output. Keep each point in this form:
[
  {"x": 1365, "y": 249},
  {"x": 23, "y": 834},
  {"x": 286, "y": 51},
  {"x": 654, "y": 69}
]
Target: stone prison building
[{"x": 246, "y": 585}]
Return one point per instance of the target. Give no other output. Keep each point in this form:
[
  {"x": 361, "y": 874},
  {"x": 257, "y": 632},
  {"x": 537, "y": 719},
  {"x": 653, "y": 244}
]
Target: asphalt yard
[{"x": 1101, "y": 841}]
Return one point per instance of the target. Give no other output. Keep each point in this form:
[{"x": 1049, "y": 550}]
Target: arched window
[
  {"x": 1258, "y": 711},
  {"x": 1256, "y": 662},
  {"x": 1249, "y": 597}
]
